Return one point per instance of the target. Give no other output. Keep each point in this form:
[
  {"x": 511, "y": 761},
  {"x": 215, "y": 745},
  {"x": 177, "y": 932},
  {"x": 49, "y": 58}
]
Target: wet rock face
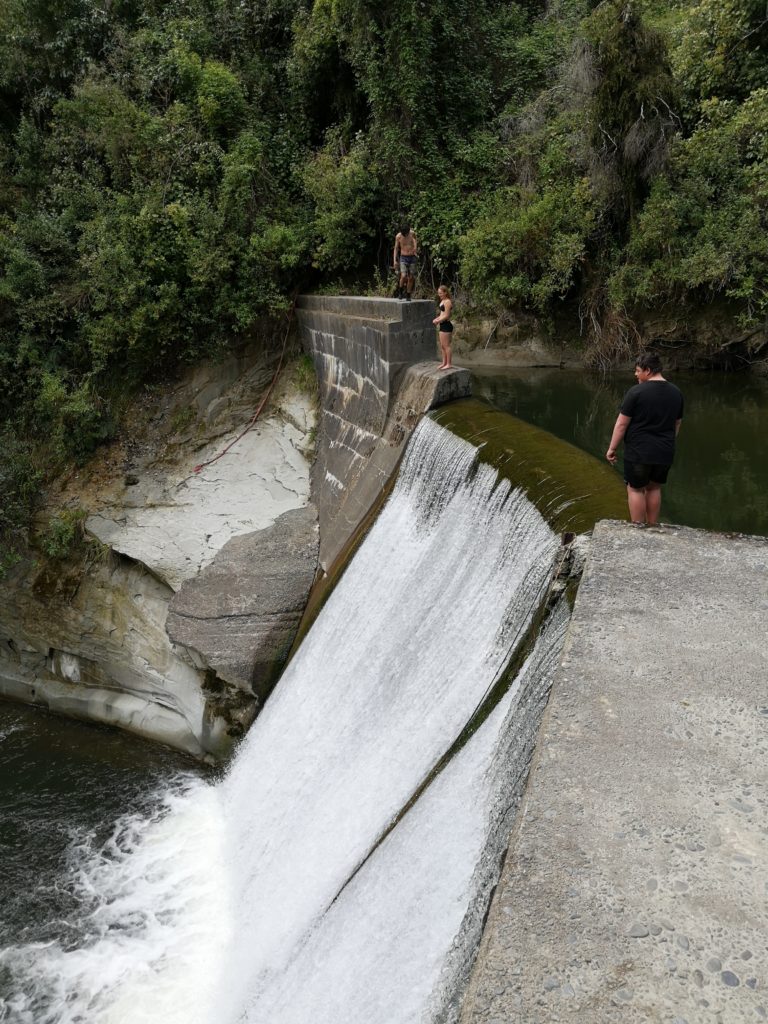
[
  {"x": 241, "y": 613},
  {"x": 91, "y": 644}
]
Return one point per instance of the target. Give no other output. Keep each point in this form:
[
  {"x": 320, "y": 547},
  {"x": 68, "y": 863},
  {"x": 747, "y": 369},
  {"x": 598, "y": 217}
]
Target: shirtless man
[{"x": 405, "y": 253}]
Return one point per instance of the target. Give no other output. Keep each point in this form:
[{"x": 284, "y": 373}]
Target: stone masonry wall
[{"x": 364, "y": 351}]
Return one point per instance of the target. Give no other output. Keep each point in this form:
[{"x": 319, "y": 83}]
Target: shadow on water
[{"x": 720, "y": 477}]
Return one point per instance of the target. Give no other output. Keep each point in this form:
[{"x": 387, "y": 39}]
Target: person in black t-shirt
[{"x": 648, "y": 423}]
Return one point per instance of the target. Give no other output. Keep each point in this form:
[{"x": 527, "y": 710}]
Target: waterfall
[{"x": 339, "y": 873}]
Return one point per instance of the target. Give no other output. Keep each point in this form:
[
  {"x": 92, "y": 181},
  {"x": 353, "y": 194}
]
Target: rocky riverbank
[
  {"x": 87, "y": 637},
  {"x": 697, "y": 339}
]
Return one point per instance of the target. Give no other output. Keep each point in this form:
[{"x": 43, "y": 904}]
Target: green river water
[{"x": 720, "y": 477}]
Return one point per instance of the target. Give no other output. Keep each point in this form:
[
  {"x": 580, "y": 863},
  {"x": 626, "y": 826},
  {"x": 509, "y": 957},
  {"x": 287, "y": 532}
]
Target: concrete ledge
[
  {"x": 449, "y": 385},
  {"x": 392, "y": 311},
  {"x": 636, "y": 881}
]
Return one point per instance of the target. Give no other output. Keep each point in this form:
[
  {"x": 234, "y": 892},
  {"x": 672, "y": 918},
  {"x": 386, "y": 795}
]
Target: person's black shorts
[
  {"x": 445, "y": 327},
  {"x": 639, "y": 474}
]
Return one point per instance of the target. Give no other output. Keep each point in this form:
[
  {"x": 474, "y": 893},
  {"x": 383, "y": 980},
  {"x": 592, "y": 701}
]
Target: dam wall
[
  {"x": 377, "y": 372},
  {"x": 635, "y": 880}
]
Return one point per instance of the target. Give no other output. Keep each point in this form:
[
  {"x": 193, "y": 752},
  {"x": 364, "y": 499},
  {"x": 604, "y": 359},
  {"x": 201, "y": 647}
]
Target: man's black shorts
[{"x": 639, "y": 474}]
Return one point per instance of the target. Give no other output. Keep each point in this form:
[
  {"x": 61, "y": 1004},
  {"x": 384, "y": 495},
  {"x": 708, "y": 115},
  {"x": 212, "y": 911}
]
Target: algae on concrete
[{"x": 570, "y": 488}]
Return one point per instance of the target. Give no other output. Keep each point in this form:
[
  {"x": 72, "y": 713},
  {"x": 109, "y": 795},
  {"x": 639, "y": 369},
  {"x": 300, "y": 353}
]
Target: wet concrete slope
[{"x": 636, "y": 884}]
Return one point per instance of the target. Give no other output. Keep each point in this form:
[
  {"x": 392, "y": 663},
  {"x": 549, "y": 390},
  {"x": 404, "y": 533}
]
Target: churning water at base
[{"x": 310, "y": 885}]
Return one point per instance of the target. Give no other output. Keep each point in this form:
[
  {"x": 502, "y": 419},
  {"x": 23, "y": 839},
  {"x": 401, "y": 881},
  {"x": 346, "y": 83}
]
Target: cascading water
[{"x": 335, "y": 875}]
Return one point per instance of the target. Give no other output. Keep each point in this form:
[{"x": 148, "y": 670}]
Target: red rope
[{"x": 264, "y": 400}]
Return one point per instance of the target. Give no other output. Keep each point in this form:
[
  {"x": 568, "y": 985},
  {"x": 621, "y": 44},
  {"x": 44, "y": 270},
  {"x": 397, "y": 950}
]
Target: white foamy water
[
  {"x": 390, "y": 947},
  {"x": 241, "y": 902},
  {"x": 154, "y": 917}
]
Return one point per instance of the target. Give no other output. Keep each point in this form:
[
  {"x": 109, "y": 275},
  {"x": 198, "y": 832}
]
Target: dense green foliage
[
  {"x": 19, "y": 480},
  {"x": 171, "y": 172}
]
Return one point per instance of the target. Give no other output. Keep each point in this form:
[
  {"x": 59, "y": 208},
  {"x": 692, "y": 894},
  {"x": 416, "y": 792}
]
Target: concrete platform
[{"x": 636, "y": 884}]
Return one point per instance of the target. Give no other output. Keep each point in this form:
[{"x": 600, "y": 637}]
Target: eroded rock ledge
[
  {"x": 242, "y": 611},
  {"x": 89, "y": 639},
  {"x": 92, "y": 645}
]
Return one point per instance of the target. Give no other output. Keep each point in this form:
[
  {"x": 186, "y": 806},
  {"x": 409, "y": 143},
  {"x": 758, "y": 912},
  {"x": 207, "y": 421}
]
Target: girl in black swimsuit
[{"x": 444, "y": 326}]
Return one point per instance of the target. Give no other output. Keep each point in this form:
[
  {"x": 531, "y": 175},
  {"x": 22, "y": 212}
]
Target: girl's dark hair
[{"x": 649, "y": 361}]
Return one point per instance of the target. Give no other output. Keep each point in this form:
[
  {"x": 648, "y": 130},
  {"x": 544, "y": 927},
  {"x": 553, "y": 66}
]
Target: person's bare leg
[
  {"x": 411, "y": 282},
  {"x": 636, "y": 502},
  {"x": 440, "y": 337},
  {"x": 445, "y": 345},
  {"x": 403, "y": 284},
  {"x": 652, "y": 503}
]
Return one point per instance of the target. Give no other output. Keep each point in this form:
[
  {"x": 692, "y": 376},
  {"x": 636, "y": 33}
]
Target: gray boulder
[{"x": 241, "y": 613}]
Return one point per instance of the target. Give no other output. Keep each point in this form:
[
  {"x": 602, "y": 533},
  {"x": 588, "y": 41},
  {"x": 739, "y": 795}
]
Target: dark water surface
[
  {"x": 720, "y": 477},
  {"x": 63, "y": 787}
]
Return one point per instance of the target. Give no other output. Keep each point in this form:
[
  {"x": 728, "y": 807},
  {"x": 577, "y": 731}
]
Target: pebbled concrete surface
[{"x": 636, "y": 884}]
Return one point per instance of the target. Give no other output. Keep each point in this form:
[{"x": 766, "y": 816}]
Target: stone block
[{"x": 241, "y": 613}]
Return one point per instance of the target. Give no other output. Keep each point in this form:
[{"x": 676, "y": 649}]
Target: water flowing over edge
[{"x": 209, "y": 910}]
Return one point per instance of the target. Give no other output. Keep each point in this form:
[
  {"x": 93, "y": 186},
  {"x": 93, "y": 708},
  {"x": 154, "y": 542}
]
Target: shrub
[
  {"x": 305, "y": 375},
  {"x": 64, "y": 533},
  {"x": 703, "y": 228},
  {"x": 76, "y": 419},
  {"x": 527, "y": 248},
  {"x": 19, "y": 485},
  {"x": 220, "y": 98},
  {"x": 344, "y": 188}
]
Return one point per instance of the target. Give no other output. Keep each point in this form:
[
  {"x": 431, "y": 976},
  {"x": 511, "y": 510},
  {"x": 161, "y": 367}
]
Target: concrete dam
[
  {"x": 471, "y": 797},
  {"x": 635, "y": 879}
]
